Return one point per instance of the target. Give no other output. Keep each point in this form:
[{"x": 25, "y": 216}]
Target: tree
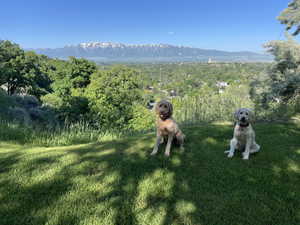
[
  {"x": 80, "y": 72},
  {"x": 280, "y": 85},
  {"x": 32, "y": 69},
  {"x": 9, "y": 75},
  {"x": 283, "y": 80},
  {"x": 21, "y": 70},
  {"x": 291, "y": 16},
  {"x": 284, "y": 75},
  {"x": 112, "y": 95},
  {"x": 71, "y": 77},
  {"x": 278, "y": 88}
]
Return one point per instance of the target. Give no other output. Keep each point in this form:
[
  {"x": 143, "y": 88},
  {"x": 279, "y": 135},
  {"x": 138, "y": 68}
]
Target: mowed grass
[{"x": 118, "y": 182}]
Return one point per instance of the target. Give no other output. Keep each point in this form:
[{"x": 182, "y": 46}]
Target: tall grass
[
  {"x": 211, "y": 106},
  {"x": 72, "y": 134}
]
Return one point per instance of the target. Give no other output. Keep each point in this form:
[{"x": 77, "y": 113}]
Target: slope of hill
[
  {"x": 107, "y": 51},
  {"x": 118, "y": 182}
]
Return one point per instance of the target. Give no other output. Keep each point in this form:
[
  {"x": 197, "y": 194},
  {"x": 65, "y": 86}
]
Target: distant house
[
  {"x": 222, "y": 85},
  {"x": 149, "y": 88},
  {"x": 150, "y": 104},
  {"x": 278, "y": 100},
  {"x": 173, "y": 93},
  {"x": 210, "y": 61}
]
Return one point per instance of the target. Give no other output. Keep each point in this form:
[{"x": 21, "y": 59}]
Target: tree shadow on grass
[
  {"x": 8, "y": 158},
  {"x": 21, "y": 204},
  {"x": 118, "y": 182}
]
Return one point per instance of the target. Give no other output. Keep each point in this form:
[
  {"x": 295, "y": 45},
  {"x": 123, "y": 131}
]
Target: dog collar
[{"x": 164, "y": 118}]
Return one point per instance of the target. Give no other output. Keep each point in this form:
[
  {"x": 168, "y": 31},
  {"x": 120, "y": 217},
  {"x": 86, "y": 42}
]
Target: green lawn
[{"x": 117, "y": 182}]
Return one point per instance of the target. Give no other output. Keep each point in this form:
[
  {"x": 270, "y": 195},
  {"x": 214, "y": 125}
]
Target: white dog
[{"x": 244, "y": 135}]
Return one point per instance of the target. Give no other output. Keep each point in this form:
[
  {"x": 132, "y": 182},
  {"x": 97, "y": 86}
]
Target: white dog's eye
[
  {"x": 247, "y": 114},
  {"x": 241, "y": 112}
]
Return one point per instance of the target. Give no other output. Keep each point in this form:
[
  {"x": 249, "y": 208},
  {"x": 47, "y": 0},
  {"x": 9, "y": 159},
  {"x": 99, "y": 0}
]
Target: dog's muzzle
[
  {"x": 163, "y": 116},
  {"x": 243, "y": 122}
]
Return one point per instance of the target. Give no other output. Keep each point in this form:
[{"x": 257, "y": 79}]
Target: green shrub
[
  {"x": 70, "y": 108},
  {"x": 20, "y": 115},
  {"x": 5, "y": 103},
  {"x": 143, "y": 119},
  {"x": 52, "y": 100},
  {"x": 111, "y": 96},
  {"x": 281, "y": 110}
]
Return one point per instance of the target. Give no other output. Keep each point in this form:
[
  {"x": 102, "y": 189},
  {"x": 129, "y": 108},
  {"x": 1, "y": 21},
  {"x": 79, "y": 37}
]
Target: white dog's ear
[
  {"x": 251, "y": 115},
  {"x": 236, "y": 113}
]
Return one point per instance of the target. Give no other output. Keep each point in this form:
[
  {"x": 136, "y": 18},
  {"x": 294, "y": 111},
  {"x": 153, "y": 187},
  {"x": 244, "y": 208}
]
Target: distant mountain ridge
[{"x": 108, "y": 51}]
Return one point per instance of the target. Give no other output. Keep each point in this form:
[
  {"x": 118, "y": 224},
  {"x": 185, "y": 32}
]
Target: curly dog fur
[{"x": 167, "y": 128}]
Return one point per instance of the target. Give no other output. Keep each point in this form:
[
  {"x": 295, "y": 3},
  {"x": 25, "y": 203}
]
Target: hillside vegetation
[{"x": 46, "y": 97}]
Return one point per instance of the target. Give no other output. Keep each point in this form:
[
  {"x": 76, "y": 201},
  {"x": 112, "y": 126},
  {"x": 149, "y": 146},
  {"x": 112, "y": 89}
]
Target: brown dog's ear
[
  {"x": 170, "y": 106},
  {"x": 251, "y": 115},
  {"x": 156, "y": 107}
]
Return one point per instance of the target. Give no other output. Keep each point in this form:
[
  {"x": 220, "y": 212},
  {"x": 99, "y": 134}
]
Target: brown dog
[{"x": 167, "y": 128}]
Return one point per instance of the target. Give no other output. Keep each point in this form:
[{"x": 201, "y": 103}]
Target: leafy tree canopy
[
  {"x": 291, "y": 16},
  {"x": 22, "y": 71},
  {"x": 112, "y": 94}
]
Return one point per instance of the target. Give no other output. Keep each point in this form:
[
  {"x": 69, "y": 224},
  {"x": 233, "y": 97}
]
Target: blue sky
[{"x": 232, "y": 25}]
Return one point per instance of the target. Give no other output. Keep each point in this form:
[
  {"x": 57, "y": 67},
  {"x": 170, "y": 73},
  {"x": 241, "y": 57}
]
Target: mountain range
[{"x": 118, "y": 52}]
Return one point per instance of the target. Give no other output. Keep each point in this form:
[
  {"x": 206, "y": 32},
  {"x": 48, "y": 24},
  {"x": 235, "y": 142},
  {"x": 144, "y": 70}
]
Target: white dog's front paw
[
  {"x": 153, "y": 153},
  {"x": 167, "y": 154},
  {"x": 230, "y": 155},
  {"x": 245, "y": 156}
]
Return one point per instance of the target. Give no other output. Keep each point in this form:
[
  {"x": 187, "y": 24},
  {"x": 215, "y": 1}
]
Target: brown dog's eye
[{"x": 165, "y": 106}]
